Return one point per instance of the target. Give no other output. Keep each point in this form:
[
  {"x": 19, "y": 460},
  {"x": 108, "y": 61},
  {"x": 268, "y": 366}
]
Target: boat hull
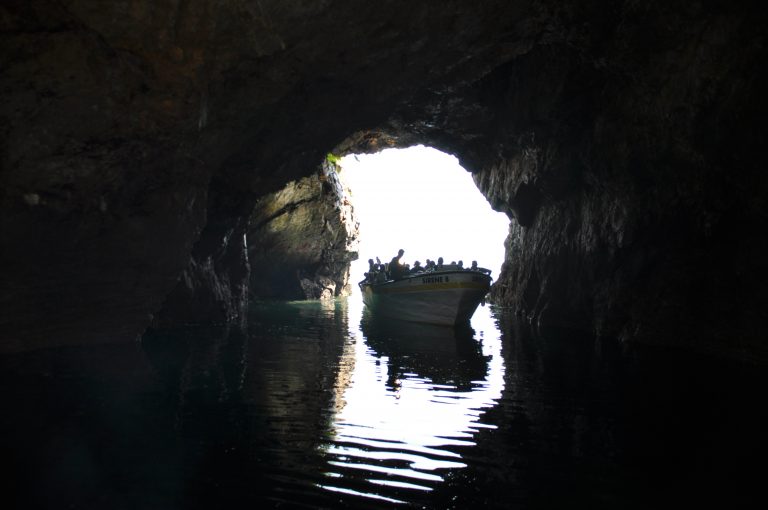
[{"x": 445, "y": 298}]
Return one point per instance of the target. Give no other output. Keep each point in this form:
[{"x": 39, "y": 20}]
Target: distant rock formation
[{"x": 302, "y": 239}]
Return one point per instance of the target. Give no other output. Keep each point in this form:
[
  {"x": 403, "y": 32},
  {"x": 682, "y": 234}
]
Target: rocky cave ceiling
[{"x": 625, "y": 139}]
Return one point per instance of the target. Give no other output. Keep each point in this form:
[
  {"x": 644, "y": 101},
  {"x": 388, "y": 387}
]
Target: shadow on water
[
  {"x": 252, "y": 414},
  {"x": 600, "y": 425}
]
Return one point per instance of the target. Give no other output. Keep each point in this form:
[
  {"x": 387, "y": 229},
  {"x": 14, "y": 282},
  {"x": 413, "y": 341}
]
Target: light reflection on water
[
  {"x": 314, "y": 408},
  {"x": 411, "y": 401}
]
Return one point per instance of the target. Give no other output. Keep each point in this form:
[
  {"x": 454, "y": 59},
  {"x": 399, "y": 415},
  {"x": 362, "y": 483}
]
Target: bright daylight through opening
[{"x": 421, "y": 200}]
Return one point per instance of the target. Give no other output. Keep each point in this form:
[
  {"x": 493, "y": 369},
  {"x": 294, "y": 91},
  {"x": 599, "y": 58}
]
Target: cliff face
[
  {"x": 302, "y": 239},
  {"x": 634, "y": 172},
  {"x": 137, "y": 137}
]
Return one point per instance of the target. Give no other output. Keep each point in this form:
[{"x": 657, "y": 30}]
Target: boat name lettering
[{"x": 433, "y": 279}]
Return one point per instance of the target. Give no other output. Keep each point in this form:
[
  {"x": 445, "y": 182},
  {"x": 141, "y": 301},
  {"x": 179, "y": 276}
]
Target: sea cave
[{"x": 165, "y": 165}]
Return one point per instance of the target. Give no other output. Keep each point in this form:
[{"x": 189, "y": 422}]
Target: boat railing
[{"x": 432, "y": 270}]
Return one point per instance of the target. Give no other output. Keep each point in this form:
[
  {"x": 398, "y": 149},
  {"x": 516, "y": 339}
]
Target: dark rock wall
[
  {"x": 302, "y": 239},
  {"x": 632, "y": 160},
  {"x": 214, "y": 286},
  {"x": 101, "y": 197},
  {"x": 625, "y": 139}
]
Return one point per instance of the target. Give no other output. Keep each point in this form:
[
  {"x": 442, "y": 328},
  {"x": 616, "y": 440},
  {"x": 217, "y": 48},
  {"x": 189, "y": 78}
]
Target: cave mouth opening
[{"x": 421, "y": 200}]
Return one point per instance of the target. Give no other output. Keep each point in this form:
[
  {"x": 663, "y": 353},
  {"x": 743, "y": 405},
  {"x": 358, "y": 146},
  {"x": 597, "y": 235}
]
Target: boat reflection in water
[
  {"x": 412, "y": 404},
  {"x": 446, "y": 356}
]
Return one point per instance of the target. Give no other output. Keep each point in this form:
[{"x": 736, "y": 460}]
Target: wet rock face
[
  {"x": 136, "y": 138},
  {"x": 213, "y": 288},
  {"x": 634, "y": 173},
  {"x": 303, "y": 238},
  {"x": 102, "y": 198}
]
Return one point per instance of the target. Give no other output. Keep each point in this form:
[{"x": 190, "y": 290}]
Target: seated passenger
[
  {"x": 474, "y": 265},
  {"x": 416, "y": 267},
  {"x": 439, "y": 262},
  {"x": 461, "y": 264}
]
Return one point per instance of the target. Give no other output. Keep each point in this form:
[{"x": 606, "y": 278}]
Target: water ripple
[{"x": 410, "y": 406}]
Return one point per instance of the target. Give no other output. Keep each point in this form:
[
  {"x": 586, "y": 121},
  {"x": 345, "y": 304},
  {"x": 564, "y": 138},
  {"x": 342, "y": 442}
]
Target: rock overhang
[{"x": 136, "y": 143}]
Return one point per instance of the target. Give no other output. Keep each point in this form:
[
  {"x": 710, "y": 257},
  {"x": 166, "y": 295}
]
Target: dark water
[{"x": 317, "y": 406}]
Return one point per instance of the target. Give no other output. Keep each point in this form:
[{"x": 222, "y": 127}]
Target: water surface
[{"x": 317, "y": 405}]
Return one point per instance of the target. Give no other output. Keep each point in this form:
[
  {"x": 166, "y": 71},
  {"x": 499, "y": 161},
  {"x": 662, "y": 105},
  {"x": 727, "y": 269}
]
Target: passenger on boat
[
  {"x": 461, "y": 264},
  {"x": 395, "y": 267},
  {"x": 417, "y": 267},
  {"x": 439, "y": 262},
  {"x": 474, "y": 265}
]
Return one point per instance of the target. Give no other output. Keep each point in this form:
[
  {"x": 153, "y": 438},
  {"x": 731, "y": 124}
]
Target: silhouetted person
[
  {"x": 439, "y": 262},
  {"x": 474, "y": 265},
  {"x": 373, "y": 270},
  {"x": 461, "y": 264},
  {"x": 395, "y": 268}
]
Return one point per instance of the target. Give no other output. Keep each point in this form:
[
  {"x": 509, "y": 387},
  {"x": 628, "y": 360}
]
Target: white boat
[{"x": 446, "y": 297}]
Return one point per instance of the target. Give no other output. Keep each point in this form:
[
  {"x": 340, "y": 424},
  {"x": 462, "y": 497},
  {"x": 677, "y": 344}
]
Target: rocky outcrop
[
  {"x": 302, "y": 239},
  {"x": 624, "y": 139},
  {"x": 624, "y": 173},
  {"x": 213, "y": 289}
]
